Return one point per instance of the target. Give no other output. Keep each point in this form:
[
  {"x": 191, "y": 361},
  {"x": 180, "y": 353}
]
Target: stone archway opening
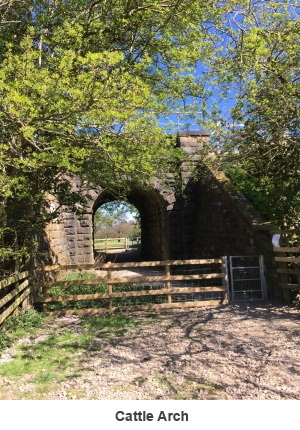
[{"x": 153, "y": 221}]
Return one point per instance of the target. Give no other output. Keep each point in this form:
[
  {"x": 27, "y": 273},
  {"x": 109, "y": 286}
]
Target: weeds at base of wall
[
  {"x": 17, "y": 326},
  {"x": 296, "y": 302}
]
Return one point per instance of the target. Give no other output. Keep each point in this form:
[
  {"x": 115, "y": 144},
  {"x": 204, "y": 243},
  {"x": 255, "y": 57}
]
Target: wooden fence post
[
  {"x": 45, "y": 289},
  {"x": 110, "y": 289},
  {"x": 168, "y": 274},
  {"x": 18, "y": 308},
  {"x": 225, "y": 280},
  {"x": 284, "y": 279}
]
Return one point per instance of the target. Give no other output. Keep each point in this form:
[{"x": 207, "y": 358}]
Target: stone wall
[
  {"x": 220, "y": 227},
  {"x": 226, "y": 224},
  {"x": 70, "y": 238},
  {"x": 59, "y": 249}
]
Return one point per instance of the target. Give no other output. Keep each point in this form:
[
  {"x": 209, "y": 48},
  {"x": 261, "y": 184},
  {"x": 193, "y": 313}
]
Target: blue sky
[{"x": 215, "y": 103}]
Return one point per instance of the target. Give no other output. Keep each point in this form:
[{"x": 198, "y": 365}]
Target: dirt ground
[
  {"x": 230, "y": 352},
  {"x": 235, "y": 352}
]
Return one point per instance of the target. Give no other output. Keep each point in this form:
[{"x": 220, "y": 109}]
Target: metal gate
[{"x": 247, "y": 278}]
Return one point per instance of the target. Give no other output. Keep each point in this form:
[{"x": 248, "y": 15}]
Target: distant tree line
[{"x": 117, "y": 219}]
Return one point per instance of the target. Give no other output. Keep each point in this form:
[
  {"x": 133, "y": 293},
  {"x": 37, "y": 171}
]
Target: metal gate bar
[{"x": 247, "y": 280}]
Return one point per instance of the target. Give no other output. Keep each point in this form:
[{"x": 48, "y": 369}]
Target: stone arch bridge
[{"x": 210, "y": 220}]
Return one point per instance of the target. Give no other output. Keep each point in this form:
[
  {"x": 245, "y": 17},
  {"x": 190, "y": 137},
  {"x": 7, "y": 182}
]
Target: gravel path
[
  {"x": 233, "y": 352},
  {"x": 230, "y": 352}
]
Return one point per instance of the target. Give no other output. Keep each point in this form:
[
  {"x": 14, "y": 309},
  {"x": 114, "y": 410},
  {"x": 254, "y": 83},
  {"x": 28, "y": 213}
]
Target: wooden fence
[
  {"x": 288, "y": 270},
  {"x": 142, "y": 286},
  {"x": 14, "y": 292},
  {"x": 287, "y": 258},
  {"x": 117, "y": 243}
]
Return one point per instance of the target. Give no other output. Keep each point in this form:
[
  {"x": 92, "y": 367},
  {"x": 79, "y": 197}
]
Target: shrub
[
  {"x": 296, "y": 302},
  {"x": 25, "y": 320}
]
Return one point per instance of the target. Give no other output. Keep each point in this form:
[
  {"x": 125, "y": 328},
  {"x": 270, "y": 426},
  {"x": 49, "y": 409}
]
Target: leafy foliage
[
  {"x": 5, "y": 341},
  {"x": 259, "y": 65},
  {"x": 82, "y": 85},
  {"x": 117, "y": 219},
  {"x": 276, "y": 201}
]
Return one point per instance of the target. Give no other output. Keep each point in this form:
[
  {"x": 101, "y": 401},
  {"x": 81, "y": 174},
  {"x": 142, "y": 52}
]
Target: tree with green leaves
[
  {"x": 259, "y": 62},
  {"x": 117, "y": 219},
  {"x": 84, "y": 82},
  {"x": 82, "y": 86}
]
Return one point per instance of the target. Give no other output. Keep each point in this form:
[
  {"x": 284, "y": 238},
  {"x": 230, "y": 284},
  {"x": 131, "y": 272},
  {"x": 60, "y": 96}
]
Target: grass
[
  {"x": 113, "y": 243},
  {"x": 60, "y": 356},
  {"x": 44, "y": 366}
]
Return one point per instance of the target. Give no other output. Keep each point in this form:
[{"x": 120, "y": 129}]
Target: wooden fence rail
[
  {"x": 166, "y": 278},
  {"x": 288, "y": 270},
  {"x": 116, "y": 243},
  {"x": 13, "y": 294},
  {"x": 16, "y": 290}
]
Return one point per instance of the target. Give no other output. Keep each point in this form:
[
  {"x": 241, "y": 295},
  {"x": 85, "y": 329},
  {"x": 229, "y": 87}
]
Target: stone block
[
  {"x": 69, "y": 217},
  {"x": 83, "y": 245},
  {"x": 170, "y": 176},
  {"x": 84, "y": 230},
  {"x": 55, "y": 243},
  {"x": 70, "y": 226},
  {"x": 59, "y": 250},
  {"x": 86, "y": 216}
]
